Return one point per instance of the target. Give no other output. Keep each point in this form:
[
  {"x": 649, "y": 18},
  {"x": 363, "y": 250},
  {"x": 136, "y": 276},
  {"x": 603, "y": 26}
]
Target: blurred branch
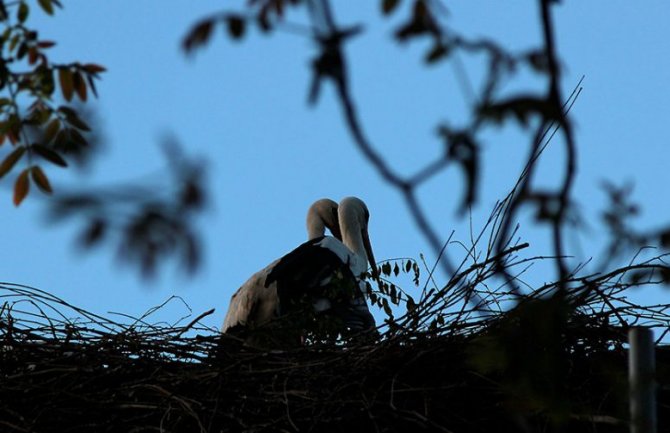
[
  {"x": 331, "y": 64},
  {"x": 150, "y": 223}
]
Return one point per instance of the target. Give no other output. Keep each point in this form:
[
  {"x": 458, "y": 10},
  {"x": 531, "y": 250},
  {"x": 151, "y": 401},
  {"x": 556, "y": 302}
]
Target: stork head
[
  {"x": 354, "y": 217},
  {"x": 322, "y": 214}
]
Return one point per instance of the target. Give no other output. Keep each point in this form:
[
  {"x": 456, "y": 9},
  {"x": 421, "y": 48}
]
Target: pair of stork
[{"x": 319, "y": 281}]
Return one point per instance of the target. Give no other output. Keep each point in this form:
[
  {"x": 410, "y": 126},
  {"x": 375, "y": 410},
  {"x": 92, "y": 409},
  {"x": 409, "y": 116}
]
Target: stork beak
[{"x": 368, "y": 251}]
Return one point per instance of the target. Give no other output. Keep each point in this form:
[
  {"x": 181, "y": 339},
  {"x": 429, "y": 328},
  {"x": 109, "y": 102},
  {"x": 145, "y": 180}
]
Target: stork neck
[
  {"x": 315, "y": 228},
  {"x": 353, "y": 240}
]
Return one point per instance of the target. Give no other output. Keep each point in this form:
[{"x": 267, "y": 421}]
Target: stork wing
[{"x": 253, "y": 304}]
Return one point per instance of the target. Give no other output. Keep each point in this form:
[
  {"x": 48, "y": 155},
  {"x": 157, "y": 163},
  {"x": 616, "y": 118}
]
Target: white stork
[
  {"x": 318, "y": 281},
  {"x": 253, "y": 305}
]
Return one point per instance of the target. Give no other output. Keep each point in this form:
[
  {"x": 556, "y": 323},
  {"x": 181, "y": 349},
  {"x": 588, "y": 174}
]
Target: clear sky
[{"x": 241, "y": 107}]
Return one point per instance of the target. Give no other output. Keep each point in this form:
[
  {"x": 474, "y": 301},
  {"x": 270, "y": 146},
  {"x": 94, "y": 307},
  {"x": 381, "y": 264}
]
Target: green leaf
[
  {"x": 389, "y": 6},
  {"x": 11, "y": 160},
  {"x": 21, "y": 187},
  {"x": 22, "y": 14},
  {"x": 46, "y": 6},
  {"x": 41, "y": 180},
  {"x": 49, "y": 155}
]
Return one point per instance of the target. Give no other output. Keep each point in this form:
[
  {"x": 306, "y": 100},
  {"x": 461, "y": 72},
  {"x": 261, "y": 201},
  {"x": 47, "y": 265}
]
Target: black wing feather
[{"x": 311, "y": 272}]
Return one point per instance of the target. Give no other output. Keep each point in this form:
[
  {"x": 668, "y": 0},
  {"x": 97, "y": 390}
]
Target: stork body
[
  {"x": 253, "y": 305},
  {"x": 318, "y": 281}
]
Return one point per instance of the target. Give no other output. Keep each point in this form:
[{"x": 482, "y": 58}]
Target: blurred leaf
[
  {"x": 66, "y": 83},
  {"x": 22, "y": 51},
  {"x": 438, "y": 52},
  {"x": 79, "y": 86},
  {"x": 47, "y": 6},
  {"x": 33, "y": 55},
  {"x": 396, "y": 270},
  {"x": 41, "y": 179},
  {"x": 11, "y": 160},
  {"x": 73, "y": 118},
  {"x": 51, "y": 130},
  {"x": 77, "y": 138},
  {"x": 388, "y": 6},
  {"x": 93, "y": 68},
  {"x": 21, "y": 187},
  {"x": 22, "y": 14},
  {"x": 93, "y": 233},
  {"x": 199, "y": 35},
  {"x": 39, "y": 116},
  {"x": 236, "y": 26},
  {"x": 421, "y": 23},
  {"x": 664, "y": 238},
  {"x": 49, "y": 155},
  {"x": 91, "y": 84},
  {"x": 538, "y": 61},
  {"x": 12, "y": 128}
]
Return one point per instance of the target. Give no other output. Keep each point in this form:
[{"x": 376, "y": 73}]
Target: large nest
[{"x": 551, "y": 360}]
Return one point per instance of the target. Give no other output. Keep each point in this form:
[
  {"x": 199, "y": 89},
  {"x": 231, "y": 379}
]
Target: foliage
[
  {"x": 42, "y": 120},
  {"x": 37, "y": 116},
  {"x": 149, "y": 223}
]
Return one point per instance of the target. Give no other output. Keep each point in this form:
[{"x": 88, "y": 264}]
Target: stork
[
  {"x": 317, "y": 286},
  {"x": 253, "y": 305}
]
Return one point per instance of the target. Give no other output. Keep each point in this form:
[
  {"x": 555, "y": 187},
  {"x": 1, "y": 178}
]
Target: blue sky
[{"x": 241, "y": 107}]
